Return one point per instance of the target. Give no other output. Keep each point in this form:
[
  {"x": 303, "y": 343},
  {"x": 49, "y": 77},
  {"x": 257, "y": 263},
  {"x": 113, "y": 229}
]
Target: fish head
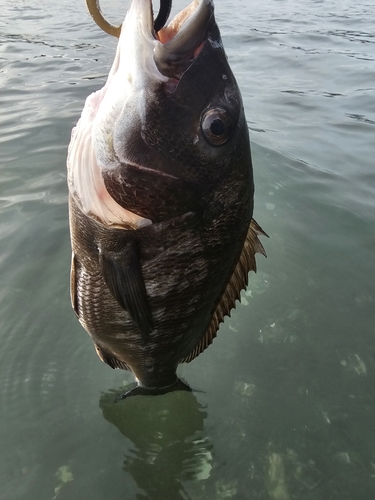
[{"x": 168, "y": 127}]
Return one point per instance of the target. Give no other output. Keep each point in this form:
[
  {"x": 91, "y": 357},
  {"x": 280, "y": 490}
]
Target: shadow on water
[{"x": 170, "y": 446}]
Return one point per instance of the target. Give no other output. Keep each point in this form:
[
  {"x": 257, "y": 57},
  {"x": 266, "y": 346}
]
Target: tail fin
[{"x": 139, "y": 390}]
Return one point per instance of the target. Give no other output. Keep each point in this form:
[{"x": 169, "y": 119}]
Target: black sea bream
[{"x": 161, "y": 197}]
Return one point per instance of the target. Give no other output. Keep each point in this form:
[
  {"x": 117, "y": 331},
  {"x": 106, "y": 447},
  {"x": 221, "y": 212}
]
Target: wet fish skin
[{"x": 153, "y": 295}]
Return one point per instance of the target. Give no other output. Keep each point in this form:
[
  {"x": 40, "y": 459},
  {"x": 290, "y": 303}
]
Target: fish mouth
[
  {"x": 176, "y": 45},
  {"x": 190, "y": 22},
  {"x": 183, "y": 38}
]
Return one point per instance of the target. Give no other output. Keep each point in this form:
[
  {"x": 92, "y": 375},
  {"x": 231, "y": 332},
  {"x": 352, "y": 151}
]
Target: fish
[{"x": 161, "y": 197}]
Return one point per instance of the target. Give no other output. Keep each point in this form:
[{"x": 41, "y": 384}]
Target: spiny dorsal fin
[{"x": 237, "y": 282}]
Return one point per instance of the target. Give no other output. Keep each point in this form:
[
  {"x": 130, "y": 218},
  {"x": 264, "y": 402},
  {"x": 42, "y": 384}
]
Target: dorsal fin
[{"x": 232, "y": 292}]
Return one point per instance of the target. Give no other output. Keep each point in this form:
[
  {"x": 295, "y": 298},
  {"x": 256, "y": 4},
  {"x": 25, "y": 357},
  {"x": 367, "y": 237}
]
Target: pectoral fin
[{"x": 123, "y": 276}]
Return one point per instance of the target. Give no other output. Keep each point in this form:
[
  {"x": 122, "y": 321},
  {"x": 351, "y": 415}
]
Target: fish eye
[{"x": 217, "y": 125}]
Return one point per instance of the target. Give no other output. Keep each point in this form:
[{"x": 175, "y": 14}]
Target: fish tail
[{"x": 141, "y": 390}]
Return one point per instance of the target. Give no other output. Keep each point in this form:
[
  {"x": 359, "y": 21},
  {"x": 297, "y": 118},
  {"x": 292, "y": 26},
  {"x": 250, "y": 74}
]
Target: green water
[{"x": 284, "y": 406}]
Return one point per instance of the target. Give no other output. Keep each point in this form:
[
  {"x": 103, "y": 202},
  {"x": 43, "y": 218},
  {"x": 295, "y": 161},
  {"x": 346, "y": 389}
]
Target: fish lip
[
  {"x": 182, "y": 21},
  {"x": 179, "y": 42},
  {"x": 142, "y": 10}
]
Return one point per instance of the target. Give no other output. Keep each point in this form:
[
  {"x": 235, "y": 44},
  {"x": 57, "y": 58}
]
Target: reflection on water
[{"x": 169, "y": 446}]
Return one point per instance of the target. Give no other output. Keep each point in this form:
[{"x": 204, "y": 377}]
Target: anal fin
[
  {"x": 110, "y": 359},
  {"x": 123, "y": 276}
]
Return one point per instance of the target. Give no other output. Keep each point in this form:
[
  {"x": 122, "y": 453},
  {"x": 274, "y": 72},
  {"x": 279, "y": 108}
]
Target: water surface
[{"x": 286, "y": 407}]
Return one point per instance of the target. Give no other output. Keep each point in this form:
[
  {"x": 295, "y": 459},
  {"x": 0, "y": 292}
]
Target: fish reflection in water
[{"x": 170, "y": 446}]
